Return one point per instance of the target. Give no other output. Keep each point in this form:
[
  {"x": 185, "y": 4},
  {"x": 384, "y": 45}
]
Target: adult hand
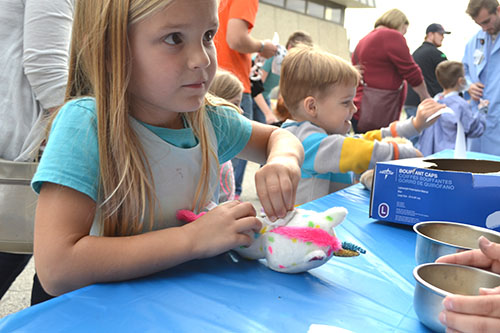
[
  {"x": 486, "y": 257},
  {"x": 474, "y": 313},
  {"x": 426, "y": 109},
  {"x": 476, "y": 91},
  {"x": 269, "y": 49}
]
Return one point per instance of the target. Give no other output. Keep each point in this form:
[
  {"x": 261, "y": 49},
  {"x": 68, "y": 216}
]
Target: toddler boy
[
  {"x": 442, "y": 135},
  {"x": 318, "y": 89}
]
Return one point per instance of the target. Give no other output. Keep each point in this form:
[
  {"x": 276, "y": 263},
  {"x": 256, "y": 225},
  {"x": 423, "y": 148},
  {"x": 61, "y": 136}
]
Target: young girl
[
  {"x": 227, "y": 86},
  {"x": 138, "y": 140}
]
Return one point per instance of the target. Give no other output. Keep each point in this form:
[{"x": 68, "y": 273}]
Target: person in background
[
  {"x": 271, "y": 79},
  {"x": 235, "y": 46},
  {"x": 386, "y": 63},
  {"x": 427, "y": 57},
  {"x": 261, "y": 110},
  {"x": 442, "y": 135},
  {"x": 482, "y": 65},
  {"x": 34, "y": 59},
  {"x": 227, "y": 86},
  {"x": 139, "y": 139},
  {"x": 474, "y": 313},
  {"x": 318, "y": 89}
]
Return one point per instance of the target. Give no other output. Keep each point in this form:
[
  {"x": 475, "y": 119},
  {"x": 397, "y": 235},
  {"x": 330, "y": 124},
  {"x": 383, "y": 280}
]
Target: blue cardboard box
[{"x": 412, "y": 190}]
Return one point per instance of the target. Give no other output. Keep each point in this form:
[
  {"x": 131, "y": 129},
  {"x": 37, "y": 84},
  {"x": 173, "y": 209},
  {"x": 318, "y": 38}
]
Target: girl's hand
[
  {"x": 225, "y": 227},
  {"x": 276, "y": 184},
  {"x": 474, "y": 313},
  {"x": 426, "y": 109}
]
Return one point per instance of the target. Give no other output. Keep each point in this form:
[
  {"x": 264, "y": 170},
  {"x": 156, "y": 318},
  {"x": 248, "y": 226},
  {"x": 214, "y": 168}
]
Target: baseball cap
[{"x": 436, "y": 27}]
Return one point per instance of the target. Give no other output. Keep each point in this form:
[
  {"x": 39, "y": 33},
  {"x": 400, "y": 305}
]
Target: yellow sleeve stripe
[
  {"x": 373, "y": 135},
  {"x": 356, "y": 154}
]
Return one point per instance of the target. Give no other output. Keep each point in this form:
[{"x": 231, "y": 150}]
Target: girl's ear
[{"x": 310, "y": 106}]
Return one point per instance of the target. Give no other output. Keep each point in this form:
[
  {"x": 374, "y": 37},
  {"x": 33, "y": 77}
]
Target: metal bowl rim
[
  {"x": 474, "y": 227},
  {"x": 440, "y": 291}
]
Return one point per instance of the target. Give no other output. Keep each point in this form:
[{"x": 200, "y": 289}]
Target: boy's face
[{"x": 335, "y": 108}]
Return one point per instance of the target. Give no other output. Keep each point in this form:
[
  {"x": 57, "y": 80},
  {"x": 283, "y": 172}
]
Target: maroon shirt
[{"x": 387, "y": 62}]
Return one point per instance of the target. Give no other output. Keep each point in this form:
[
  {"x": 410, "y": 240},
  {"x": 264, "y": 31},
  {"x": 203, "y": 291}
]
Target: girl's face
[
  {"x": 173, "y": 61},
  {"x": 335, "y": 109}
]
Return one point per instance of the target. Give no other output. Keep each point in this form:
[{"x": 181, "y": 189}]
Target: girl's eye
[
  {"x": 173, "y": 39},
  {"x": 209, "y": 36}
]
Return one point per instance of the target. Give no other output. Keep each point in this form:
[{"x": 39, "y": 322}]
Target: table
[{"x": 369, "y": 293}]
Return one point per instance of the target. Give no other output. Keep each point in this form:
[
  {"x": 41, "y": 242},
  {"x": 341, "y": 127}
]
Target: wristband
[{"x": 261, "y": 47}]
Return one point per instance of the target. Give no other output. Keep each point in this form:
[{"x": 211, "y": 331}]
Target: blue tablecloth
[{"x": 369, "y": 293}]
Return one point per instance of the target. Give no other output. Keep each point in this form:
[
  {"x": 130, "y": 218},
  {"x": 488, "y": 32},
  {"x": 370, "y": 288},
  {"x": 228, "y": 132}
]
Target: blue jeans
[
  {"x": 258, "y": 115},
  {"x": 238, "y": 164}
]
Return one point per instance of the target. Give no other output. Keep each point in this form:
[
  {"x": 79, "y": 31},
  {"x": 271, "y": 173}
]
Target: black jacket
[{"x": 427, "y": 56}]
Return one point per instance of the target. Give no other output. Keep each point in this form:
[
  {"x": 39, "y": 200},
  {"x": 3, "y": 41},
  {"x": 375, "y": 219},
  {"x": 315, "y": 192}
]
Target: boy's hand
[
  {"x": 483, "y": 103},
  {"x": 426, "y": 109},
  {"x": 276, "y": 184}
]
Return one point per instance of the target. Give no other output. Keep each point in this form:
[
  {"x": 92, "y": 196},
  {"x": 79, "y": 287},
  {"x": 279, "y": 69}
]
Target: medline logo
[{"x": 386, "y": 172}]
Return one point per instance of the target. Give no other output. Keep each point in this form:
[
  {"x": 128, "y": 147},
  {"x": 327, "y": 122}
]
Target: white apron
[{"x": 175, "y": 173}]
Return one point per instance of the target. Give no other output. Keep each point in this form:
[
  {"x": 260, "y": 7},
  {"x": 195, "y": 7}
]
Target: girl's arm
[
  {"x": 68, "y": 258},
  {"x": 276, "y": 182}
]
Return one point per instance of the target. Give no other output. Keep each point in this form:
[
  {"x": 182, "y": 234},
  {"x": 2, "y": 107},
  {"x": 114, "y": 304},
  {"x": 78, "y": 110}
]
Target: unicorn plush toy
[{"x": 302, "y": 240}]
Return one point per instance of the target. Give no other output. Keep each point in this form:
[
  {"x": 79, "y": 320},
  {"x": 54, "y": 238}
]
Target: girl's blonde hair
[
  {"x": 393, "y": 19},
  {"x": 225, "y": 85},
  {"x": 100, "y": 67},
  {"x": 308, "y": 71}
]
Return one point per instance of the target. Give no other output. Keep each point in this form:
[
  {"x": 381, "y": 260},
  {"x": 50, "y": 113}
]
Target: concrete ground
[{"x": 19, "y": 295}]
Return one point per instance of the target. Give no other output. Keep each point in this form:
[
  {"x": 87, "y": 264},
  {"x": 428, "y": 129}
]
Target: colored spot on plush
[
  {"x": 330, "y": 251},
  {"x": 263, "y": 231},
  {"x": 317, "y": 226},
  {"x": 261, "y": 249},
  {"x": 270, "y": 249},
  {"x": 329, "y": 218},
  {"x": 256, "y": 235},
  {"x": 271, "y": 239},
  {"x": 310, "y": 224},
  {"x": 294, "y": 240},
  {"x": 308, "y": 243},
  {"x": 281, "y": 266}
]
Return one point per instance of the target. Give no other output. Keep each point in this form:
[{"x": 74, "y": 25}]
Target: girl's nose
[{"x": 199, "y": 57}]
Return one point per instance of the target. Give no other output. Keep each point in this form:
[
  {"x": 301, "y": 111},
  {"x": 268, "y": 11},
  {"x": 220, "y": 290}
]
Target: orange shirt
[{"x": 228, "y": 59}]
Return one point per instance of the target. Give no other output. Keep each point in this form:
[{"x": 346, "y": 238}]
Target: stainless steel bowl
[
  {"x": 435, "y": 281},
  {"x": 435, "y": 239}
]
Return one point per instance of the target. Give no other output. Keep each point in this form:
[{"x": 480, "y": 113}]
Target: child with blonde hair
[
  {"x": 227, "y": 86},
  {"x": 139, "y": 139},
  {"x": 318, "y": 89}
]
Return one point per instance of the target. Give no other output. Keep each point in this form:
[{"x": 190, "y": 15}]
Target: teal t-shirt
[{"x": 71, "y": 157}]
